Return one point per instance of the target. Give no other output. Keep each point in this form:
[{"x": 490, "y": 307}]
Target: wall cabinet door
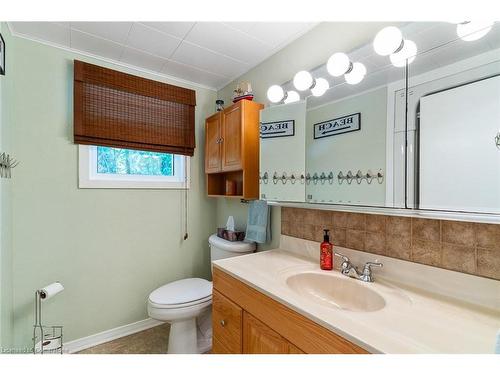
[
  {"x": 258, "y": 338},
  {"x": 232, "y": 139},
  {"x": 226, "y": 324},
  {"x": 213, "y": 143}
]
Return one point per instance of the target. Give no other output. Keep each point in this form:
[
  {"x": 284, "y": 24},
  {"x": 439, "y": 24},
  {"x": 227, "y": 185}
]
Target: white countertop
[{"x": 413, "y": 320}]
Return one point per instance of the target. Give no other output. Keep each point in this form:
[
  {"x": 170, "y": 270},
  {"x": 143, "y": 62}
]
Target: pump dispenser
[{"x": 326, "y": 252}]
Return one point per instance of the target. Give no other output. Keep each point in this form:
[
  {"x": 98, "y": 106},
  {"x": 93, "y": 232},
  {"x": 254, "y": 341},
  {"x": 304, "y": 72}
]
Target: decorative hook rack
[
  {"x": 322, "y": 178},
  {"x": 360, "y": 176},
  {"x": 7, "y": 163},
  {"x": 283, "y": 178}
]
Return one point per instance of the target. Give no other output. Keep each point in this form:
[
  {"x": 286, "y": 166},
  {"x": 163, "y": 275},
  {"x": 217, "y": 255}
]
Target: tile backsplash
[{"x": 472, "y": 248}]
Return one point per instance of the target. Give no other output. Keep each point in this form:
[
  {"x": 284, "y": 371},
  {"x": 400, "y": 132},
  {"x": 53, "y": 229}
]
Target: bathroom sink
[{"x": 333, "y": 290}]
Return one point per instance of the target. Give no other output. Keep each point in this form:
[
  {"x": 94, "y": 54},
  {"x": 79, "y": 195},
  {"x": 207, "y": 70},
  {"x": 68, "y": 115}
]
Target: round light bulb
[
  {"x": 320, "y": 87},
  {"x": 388, "y": 40},
  {"x": 291, "y": 97},
  {"x": 470, "y": 31},
  {"x": 356, "y": 75},
  {"x": 408, "y": 52},
  {"x": 338, "y": 64},
  {"x": 275, "y": 94},
  {"x": 303, "y": 80}
]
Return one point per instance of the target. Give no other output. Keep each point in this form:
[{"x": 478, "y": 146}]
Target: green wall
[
  {"x": 109, "y": 248},
  {"x": 6, "y": 325},
  {"x": 307, "y": 52}
]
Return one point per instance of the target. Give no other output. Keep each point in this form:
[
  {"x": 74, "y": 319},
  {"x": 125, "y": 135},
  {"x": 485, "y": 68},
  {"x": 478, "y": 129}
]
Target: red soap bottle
[{"x": 326, "y": 252}]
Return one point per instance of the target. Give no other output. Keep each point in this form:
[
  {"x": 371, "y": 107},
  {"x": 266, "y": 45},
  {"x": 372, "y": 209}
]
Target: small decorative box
[{"x": 229, "y": 235}]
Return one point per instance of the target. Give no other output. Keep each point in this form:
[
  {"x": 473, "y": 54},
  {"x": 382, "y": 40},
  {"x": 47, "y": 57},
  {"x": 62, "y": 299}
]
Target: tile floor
[{"x": 150, "y": 341}]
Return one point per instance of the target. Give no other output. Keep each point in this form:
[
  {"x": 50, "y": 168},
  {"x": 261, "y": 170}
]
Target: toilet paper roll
[{"x": 51, "y": 290}]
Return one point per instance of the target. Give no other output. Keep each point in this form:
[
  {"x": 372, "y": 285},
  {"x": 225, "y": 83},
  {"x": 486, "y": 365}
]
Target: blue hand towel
[{"x": 258, "y": 222}]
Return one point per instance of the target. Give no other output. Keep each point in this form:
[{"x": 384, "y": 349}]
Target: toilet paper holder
[{"x": 46, "y": 339}]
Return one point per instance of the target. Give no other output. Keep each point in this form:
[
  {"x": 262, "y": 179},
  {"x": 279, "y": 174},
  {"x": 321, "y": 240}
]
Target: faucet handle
[
  {"x": 344, "y": 258},
  {"x": 367, "y": 270}
]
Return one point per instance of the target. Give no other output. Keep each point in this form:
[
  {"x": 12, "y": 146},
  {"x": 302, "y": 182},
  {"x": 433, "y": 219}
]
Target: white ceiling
[{"x": 206, "y": 53}]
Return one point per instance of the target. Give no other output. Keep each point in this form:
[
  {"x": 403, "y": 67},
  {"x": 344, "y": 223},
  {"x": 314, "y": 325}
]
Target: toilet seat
[
  {"x": 181, "y": 293},
  {"x": 181, "y": 305}
]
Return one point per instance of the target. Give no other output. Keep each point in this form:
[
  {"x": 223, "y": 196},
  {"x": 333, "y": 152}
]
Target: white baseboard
[{"x": 109, "y": 335}]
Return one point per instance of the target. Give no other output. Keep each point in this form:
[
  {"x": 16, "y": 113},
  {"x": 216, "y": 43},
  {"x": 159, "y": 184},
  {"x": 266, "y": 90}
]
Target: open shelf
[{"x": 216, "y": 184}]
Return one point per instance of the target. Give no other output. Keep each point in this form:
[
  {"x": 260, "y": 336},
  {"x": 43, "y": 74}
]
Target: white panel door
[{"x": 459, "y": 160}]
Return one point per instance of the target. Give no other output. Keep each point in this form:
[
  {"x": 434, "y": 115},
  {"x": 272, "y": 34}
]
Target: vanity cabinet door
[
  {"x": 232, "y": 138},
  {"x": 213, "y": 144},
  {"x": 258, "y": 338},
  {"x": 226, "y": 323}
]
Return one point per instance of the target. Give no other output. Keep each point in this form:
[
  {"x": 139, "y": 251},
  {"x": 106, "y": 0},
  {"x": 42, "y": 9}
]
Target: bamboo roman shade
[{"x": 116, "y": 109}]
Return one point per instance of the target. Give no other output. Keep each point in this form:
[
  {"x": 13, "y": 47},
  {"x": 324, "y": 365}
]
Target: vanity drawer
[{"x": 226, "y": 323}]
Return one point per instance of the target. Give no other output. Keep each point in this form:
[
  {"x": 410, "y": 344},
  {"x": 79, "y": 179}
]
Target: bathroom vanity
[
  {"x": 280, "y": 302},
  {"x": 258, "y": 324}
]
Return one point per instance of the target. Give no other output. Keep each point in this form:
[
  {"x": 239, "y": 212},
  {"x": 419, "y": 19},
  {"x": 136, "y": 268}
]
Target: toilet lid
[{"x": 181, "y": 292}]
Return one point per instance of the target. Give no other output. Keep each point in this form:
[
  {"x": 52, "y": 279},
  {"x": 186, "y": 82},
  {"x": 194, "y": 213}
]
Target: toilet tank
[{"x": 221, "y": 248}]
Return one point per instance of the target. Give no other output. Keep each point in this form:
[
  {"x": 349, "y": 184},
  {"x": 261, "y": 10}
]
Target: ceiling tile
[
  {"x": 142, "y": 59},
  {"x": 225, "y": 40},
  {"x": 275, "y": 34},
  {"x": 246, "y": 27},
  {"x": 191, "y": 54},
  {"x": 152, "y": 41},
  {"x": 96, "y": 46},
  {"x": 177, "y": 29},
  {"x": 192, "y": 74},
  {"x": 114, "y": 31},
  {"x": 46, "y": 31}
]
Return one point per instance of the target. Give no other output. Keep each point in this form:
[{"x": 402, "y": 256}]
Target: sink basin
[{"x": 333, "y": 290}]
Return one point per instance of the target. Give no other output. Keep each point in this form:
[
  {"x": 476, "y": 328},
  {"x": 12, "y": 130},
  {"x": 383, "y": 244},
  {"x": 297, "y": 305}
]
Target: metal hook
[
  {"x": 349, "y": 177},
  {"x": 330, "y": 178},
  {"x": 283, "y": 178},
  {"x": 275, "y": 178},
  {"x": 359, "y": 176},
  {"x": 315, "y": 178},
  {"x": 322, "y": 178}
]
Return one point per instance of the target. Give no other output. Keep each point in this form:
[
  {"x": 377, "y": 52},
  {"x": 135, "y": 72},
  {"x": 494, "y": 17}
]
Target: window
[{"x": 109, "y": 167}]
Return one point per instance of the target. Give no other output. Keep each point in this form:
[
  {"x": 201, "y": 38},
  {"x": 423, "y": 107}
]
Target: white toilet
[{"x": 186, "y": 304}]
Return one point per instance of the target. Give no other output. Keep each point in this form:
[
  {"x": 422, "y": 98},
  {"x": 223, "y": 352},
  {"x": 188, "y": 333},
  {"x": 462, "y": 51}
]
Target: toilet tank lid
[{"x": 234, "y": 246}]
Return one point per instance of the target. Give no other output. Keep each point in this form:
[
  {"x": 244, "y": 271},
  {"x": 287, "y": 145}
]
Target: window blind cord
[{"x": 186, "y": 235}]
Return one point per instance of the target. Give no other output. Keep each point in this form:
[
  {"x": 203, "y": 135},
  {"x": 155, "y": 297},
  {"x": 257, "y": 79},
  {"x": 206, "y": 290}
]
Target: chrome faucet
[{"x": 349, "y": 269}]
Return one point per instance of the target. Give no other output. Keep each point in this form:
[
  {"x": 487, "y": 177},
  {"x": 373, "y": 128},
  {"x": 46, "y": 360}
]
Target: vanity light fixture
[
  {"x": 408, "y": 52},
  {"x": 356, "y": 75},
  {"x": 320, "y": 87},
  {"x": 276, "y": 94},
  {"x": 303, "y": 80},
  {"x": 389, "y": 40},
  {"x": 291, "y": 97},
  {"x": 338, "y": 64},
  {"x": 473, "y": 30}
]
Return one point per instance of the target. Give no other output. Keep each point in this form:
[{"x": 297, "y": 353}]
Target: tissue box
[{"x": 230, "y": 235}]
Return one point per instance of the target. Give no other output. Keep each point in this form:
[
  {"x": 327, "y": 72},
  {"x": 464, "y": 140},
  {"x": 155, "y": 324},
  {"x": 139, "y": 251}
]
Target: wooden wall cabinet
[
  {"x": 245, "y": 321},
  {"x": 232, "y": 139}
]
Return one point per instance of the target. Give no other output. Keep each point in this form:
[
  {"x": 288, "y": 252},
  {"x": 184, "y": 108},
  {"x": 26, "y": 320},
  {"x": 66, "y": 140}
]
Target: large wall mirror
[
  {"x": 348, "y": 156},
  {"x": 422, "y": 133}
]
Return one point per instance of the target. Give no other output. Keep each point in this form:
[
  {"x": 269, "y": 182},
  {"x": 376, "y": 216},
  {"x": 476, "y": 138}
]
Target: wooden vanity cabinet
[
  {"x": 232, "y": 139},
  {"x": 258, "y": 338},
  {"x": 246, "y": 321}
]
